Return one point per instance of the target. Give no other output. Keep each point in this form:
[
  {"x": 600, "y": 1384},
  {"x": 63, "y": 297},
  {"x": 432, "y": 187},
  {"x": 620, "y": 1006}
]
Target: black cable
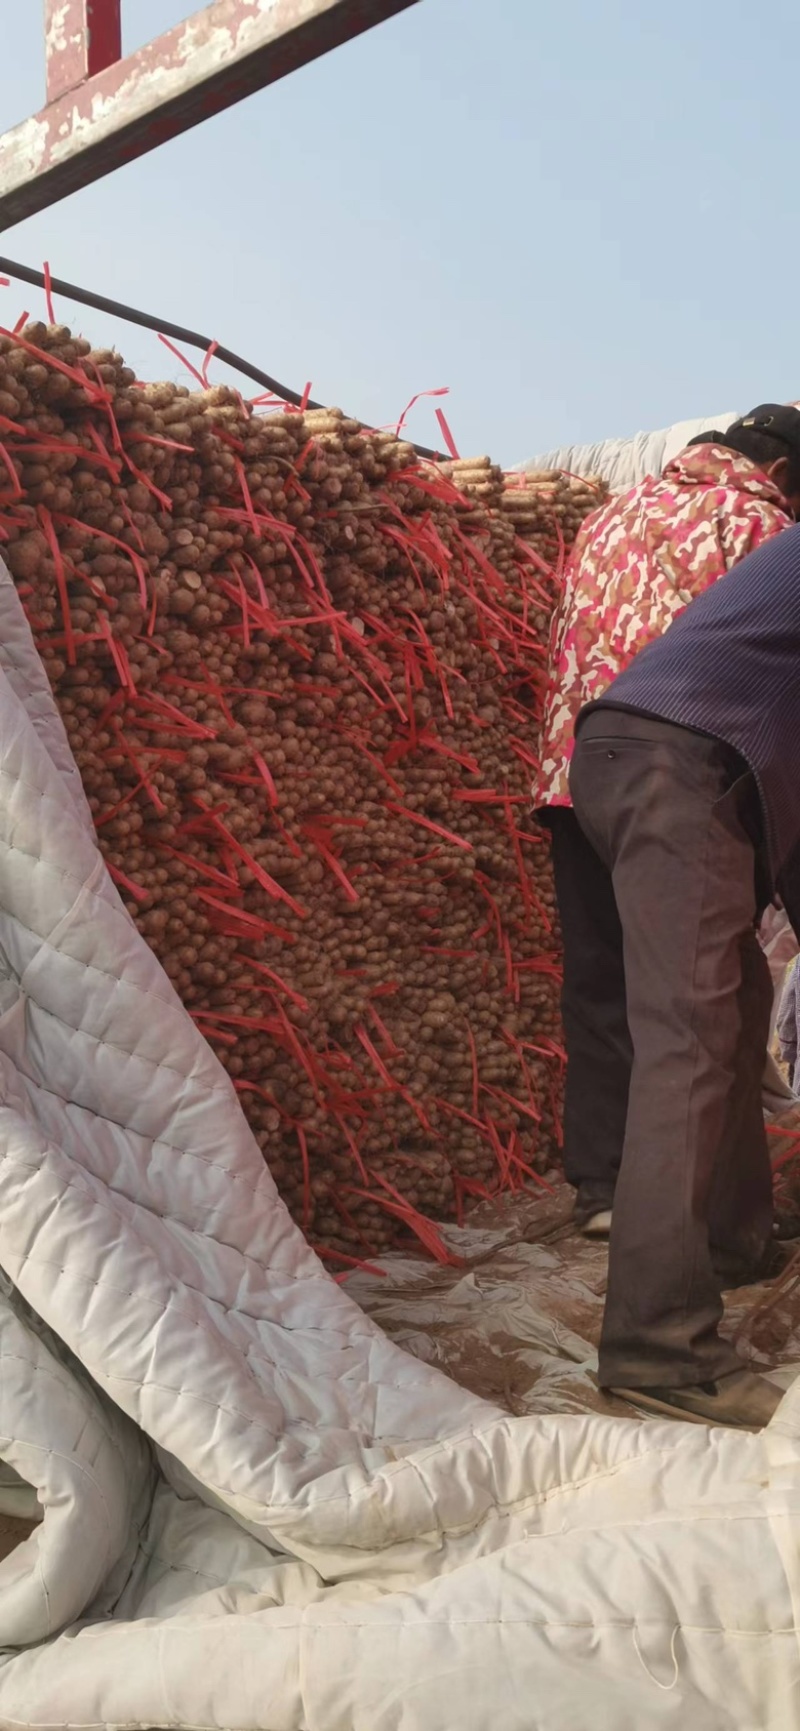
[{"x": 163, "y": 327}]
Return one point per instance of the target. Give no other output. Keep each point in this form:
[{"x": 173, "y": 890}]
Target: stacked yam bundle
[
  {"x": 548, "y": 507},
  {"x": 300, "y": 671}
]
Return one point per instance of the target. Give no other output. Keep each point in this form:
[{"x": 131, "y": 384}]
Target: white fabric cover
[
  {"x": 257, "y": 1513},
  {"x": 622, "y": 463}
]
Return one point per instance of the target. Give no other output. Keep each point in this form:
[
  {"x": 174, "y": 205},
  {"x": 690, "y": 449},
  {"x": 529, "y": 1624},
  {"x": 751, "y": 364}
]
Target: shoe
[
  {"x": 741, "y": 1401},
  {"x": 597, "y": 1225},
  {"x": 592, "y": 1212}
]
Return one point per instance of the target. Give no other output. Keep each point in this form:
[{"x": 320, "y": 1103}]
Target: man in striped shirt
[{"x": 685, "y": 781}]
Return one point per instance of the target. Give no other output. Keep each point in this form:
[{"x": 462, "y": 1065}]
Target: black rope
[{"x": 163, "y": 327}]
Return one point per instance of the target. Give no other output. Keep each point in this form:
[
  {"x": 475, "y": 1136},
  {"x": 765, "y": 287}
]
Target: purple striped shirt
[{"x": 729, "y": 666}]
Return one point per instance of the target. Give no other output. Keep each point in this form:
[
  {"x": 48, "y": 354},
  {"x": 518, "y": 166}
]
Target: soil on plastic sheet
[{"x": 518, "y": 1321}]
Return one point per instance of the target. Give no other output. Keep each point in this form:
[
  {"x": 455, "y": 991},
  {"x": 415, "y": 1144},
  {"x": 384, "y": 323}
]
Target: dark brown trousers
[
  {"x": 674, "y": 819},
  {"x": 593, "y": 1011}
]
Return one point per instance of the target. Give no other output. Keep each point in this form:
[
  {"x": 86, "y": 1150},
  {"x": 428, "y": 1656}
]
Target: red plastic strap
[
  {"x": 194, "y": 729},
  {"x": 322, "y": 1251},
  {"x": 12, "y": 473},
  {"x": 447, "y": 435},
  {"x": 101, "y": 454},
  {"x": 306, "y": 1058},
  {"x": 267, "y": 778},
  {"x": 184, "y": 360},
  {"x": 249, "y": 506},
  {"x": 267, "y": 883},
  {"x": 61, "y": 581},
  {"x": 473, "y": 1052},
  {"x": 118, "y": 656},
  {"x": 118, "y": 807},
  {"x": 235, "y": 918},
  {"x": 392, "y": 1050},
  {"x": 126, "y": 747},
  {"x": 411, "y": 1217},
  {"x": 338, "y": 870},
  {"x": 120, "y": 878},
  {"x": 204, "y": 870},
  {"x": 76, "y": 374},
  {"x": 375, "y": 1057},
  {"x": 261, "y": 967},
  {"x": 427, "y": 823},
  {"x": 103, "y": 535},
  {"x": 143, "y": 478},
  {"x": 443, "y": 391},
  {"x": 207, "y": 359}
]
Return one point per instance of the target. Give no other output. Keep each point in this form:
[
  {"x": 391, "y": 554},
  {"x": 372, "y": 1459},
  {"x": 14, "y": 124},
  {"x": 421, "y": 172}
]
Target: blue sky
[{"x": 581, "y": 222}]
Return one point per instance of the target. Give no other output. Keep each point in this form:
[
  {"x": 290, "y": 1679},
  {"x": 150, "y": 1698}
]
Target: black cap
[{"x": 777, "y": 420}]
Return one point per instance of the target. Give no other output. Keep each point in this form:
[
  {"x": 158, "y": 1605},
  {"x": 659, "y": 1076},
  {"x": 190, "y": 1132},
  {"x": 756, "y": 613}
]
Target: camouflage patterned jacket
[{"x": 635, "y": 565}]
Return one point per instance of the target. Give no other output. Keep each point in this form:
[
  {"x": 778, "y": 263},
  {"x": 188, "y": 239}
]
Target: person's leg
[
  {"x": 658, "y": 804},
  {"x": 740, "y": 1211},
  {"x": 596, "y": 1036}
]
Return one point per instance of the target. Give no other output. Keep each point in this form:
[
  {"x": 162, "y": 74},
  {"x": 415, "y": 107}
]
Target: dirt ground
[{"x": 519, "y": 1320}]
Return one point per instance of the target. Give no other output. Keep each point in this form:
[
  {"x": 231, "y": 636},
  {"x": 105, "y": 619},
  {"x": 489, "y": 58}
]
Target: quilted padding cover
[
  {"x": 257, "y": 1514},
  {"x": 623, "y": 463}
]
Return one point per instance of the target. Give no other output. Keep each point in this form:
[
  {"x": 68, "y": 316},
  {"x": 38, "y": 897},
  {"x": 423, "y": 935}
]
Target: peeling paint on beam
[
  {"x": 81, "y": 38},
  {"x": 213, "y": 59}
]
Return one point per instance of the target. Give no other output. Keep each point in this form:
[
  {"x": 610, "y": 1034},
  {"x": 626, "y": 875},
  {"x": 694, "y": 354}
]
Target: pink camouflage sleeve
[{"x": 744, "y": 531}]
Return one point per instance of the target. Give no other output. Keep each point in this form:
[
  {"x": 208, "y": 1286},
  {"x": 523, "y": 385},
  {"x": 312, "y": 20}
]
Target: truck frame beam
[{"x": 103, "y": 111}]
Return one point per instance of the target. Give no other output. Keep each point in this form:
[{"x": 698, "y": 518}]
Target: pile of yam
[{"x": 301, "y": 671}]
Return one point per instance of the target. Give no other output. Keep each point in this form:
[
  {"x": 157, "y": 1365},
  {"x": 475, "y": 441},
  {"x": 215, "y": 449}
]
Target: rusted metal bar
[
  {"x": 221, "y": 54},
  {"x": 82, "y": 38}
]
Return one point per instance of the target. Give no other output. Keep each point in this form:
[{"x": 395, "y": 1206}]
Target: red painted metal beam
[
  {"x": 221, "y": 54},
  {"x": 82, "y": 38}
]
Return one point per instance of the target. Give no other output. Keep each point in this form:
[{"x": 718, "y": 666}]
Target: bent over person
[
  {"x": 635, "y": 565},
  {"x": 686, "y": 785}
]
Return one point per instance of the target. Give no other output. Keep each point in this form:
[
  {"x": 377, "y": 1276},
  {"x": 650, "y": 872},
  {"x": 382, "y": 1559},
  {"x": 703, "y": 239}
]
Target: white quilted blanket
[
  {"x": 624, "y": 463},
  {"x": 258, "y": 1514}
]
